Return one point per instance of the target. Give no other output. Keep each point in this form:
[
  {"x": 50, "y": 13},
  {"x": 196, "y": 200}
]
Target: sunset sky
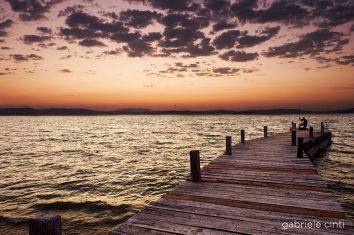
[{"x": 177, "y": 54}]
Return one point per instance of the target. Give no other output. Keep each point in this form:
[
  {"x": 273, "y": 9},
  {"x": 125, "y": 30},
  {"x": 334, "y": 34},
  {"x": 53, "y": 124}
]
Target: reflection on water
[{"x": 98, "y": 171}]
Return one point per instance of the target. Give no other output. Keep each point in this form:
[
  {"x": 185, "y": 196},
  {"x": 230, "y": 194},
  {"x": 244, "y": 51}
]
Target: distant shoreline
[{"x": 89, "y": 112}]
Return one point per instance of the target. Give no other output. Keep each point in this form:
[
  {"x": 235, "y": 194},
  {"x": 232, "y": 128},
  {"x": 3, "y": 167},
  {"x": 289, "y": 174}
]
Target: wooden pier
[{"x": 263, "y": 186}]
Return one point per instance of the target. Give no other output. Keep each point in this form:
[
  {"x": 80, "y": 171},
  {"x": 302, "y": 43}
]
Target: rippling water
[{"x": 97, "y": 171}]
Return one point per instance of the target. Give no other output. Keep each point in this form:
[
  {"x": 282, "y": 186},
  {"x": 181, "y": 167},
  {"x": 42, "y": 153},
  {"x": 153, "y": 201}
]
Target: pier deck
[{"x": 262, "y": 188}]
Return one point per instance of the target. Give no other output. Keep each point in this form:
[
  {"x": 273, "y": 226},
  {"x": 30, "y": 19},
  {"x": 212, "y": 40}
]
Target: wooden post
[
  {"x": 322, "y": 128},
  {"x": 300, "y": 147},
  {"x": 45, "y": 225},
  {"x": 195, "y": 166},
  {"x": 228, "y": 145},
  {"x": 243, "y": 136},
  {"x": 265, "y": 130},
  {"x": 311, "y": 132},
  {"x": 293, "y": 138}
]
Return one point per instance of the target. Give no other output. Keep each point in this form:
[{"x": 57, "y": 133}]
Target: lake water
[{"x": 97, "y": 171}]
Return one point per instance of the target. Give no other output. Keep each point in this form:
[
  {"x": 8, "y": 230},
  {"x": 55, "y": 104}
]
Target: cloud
[
  {"x": 66, "y": 57},
  {"x": 45, "y": 30},
  {"x": 238, "y": 56},
  {"x": 217, "y": 5},
  {"x": 5, "y": 48},
  {"x": 138, "y": 48},
  {"x": 4, "y": 73},
  {"x": 185, "y": 20},
  {"x": 125, "y": 37},
  {"x": 286, "y": 12},
  {"x": 226, "y": 70},
  {"x": 61, "y": 48},
  {"x": 79, "y": 33},
  {"x": 173, "y": 5},
  {"x": 85, "y": 26},
  {"x": 223, "y": 25},
  {"x": 32, "y": 10},
  {"x": 251, "y": 70},
  {"x": 91, "y": 43},
  {"x": 4, "y": 25},
  {"x": 24, "y": 58},
  {"x": 202, "y": 49},
  {"x": 346, "y": 60},
  {"x": 203, "y": 69},
  {"x": 311, "y": 44},
  {"x": 138, "y": 19},
  {"x": 81, "y": 19},
  {"x": 65, "y": 71},
  {"x": 152, "y": 36},
  {"x": 29, "y": 39},
  {"x": 227, "y": 39},
  {"x": 70, "y": 9},
  {"x": 252, "y": 40},
  {"x": 112, "y": 52},
  {"x": 192, "y": 65},
  {"x": 333, "y": 13}
]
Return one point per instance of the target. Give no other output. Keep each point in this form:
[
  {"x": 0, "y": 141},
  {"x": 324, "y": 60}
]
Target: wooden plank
[
  {"x": 264, "y": 184},
  {"x": 273, "y": 219},
  {"x": 258, "y": 205}
]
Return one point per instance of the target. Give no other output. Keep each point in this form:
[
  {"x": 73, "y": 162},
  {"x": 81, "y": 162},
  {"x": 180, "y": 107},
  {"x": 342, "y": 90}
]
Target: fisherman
[{"x": 303, "y": 124}]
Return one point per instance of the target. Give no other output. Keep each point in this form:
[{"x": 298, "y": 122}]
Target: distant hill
[{"x": 134, "y": 111}]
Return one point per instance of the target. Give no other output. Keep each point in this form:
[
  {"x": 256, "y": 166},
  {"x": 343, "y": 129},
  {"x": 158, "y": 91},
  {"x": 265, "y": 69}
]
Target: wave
[
  {"x": 341, "y": 187},
  {"x": 12, "y": 220},
  {"x": 342, "y": 151},
  {"x": 90, "y": 206}
]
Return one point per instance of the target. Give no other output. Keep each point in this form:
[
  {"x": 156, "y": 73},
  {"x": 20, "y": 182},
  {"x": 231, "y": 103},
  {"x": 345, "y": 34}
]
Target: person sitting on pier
[{"x": 303, "y": 124}]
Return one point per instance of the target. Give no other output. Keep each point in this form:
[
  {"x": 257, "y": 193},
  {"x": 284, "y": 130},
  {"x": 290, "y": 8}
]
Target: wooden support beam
[
  {"x": 293, "y": 138},
  {"x": 45, "y": 225},
  {"x": 322, "y": 128},
  {"x": 300, "y": 147},
  {"x": 265, "y": 131},
  {"x": 195, "y": 166},
  {"x": 311, "y": 132},
  {"x": 228, "y": 145},
  {"x": 242, "y": 136}
]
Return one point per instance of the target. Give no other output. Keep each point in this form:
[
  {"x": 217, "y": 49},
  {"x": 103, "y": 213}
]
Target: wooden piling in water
[
  {"x": 293, "y": 138},
  {"x": 45, "y": 225},
  {"x": 300, "y": 147},
  {"x": 228, "y": 145},
  {"x": 311, "y": 132},
  {"x": 242, "y": 136},
  {"x": 265, "y": 131},
  {"x": 322, "y": 128},
  {"x": 195, "y": 166}
]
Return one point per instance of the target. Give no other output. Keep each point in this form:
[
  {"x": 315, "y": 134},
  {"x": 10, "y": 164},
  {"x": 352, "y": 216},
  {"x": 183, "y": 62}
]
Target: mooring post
[
  {"x": 311, "y": 132},
  {"x": 242, "y": 136},
  {"x": 294, "y": 126},
  {"x": 228, "y": 145},
  {"x": 195, "y": 166},
  {"x": 45, "y": 225},
  {"x": 265, "y": 130},
  {"x": 322, "y": 128},
  {"x": 293, "y": 138},
  {"x": 300, "y": 147}
]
